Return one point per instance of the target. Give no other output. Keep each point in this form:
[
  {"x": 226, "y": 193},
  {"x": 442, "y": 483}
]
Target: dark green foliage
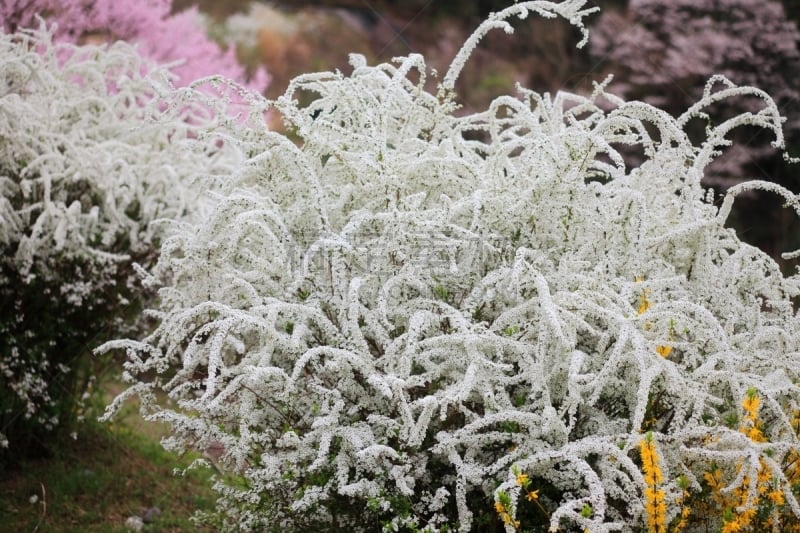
[{"x": 46, "y": 343}]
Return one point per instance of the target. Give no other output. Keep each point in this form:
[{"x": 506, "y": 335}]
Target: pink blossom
[{"x": 178, "y": 39}]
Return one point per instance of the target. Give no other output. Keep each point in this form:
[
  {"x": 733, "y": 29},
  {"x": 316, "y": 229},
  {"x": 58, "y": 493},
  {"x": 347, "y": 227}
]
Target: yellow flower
[
  {"x": 655, "y": 497},
  {"x": 644, "y": 302},
  {"x": 533, "y": 495},
  {"x": 499, "y": 507},
  {"x": 522, "y": 479},
  {"x": 752, "y": 425},
  {"x": 756, "y": 435},
  {"x": 764, "y": 476},
  {"x": 663, "y": 351},
  {"x": 776, "y": 497},
  {"x": 751, "y": 403},
  {"x": 746, "y": 516},
  {"x": 732, "y": 527},
  {"x": 506, "y": 518},
  {"x": 683, "y": 521}
]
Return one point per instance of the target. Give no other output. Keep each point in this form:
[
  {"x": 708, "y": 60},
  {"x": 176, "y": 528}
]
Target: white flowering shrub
[
  {"x": 86, "y": 169},
  {"x": 405, "y": 317}
]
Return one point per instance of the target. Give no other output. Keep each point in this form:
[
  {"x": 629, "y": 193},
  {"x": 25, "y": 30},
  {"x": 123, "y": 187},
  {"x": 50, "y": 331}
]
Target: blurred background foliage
[{"x": 681, "y": 43}]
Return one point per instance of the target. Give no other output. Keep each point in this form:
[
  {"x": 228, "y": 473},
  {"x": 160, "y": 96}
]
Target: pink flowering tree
[
  {"x": 177, "y": 39},
  {"x": 673, "y": 46}
]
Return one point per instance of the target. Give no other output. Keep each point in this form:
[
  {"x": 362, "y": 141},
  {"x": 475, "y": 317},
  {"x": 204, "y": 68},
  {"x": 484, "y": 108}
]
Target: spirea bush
[
  {"x": 407, "y": 319},
  {"x": 92, "y": 154}
]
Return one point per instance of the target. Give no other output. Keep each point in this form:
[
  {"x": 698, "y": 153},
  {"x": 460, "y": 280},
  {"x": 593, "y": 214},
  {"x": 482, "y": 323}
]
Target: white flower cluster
[
  {"x": 85, "y": 171},
  {"x": 394, "y": 308}
]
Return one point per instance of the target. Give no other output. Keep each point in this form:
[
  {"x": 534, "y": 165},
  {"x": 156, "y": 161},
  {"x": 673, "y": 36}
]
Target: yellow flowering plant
[
  {"x": 742, "y": 497},
  {"x": 654, "y": 494}
]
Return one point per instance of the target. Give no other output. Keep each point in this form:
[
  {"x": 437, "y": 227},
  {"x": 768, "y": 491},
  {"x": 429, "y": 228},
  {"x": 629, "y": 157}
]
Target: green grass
[{"x": 94, "y": 483}]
